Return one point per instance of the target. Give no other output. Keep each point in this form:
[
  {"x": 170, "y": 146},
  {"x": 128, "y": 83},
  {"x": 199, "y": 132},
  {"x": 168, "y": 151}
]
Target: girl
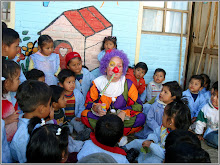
[
  {"x": 136, "y": 76},
  {"x": 10, "y": 82},
  {"x": 205, "y": 91},
  {"x": 170, "y": 91},
  {"x": 83, "y": 77},
  {"x": 45, "y": 60},
  {"x": 108, "y": 43},
  {"x": 176, "y": 116},
  {"x": 48, "y": 143}
]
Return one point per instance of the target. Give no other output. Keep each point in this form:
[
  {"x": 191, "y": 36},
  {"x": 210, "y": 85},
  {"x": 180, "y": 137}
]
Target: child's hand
[
  {"x": 193, "y": 119},
  {"x": 200, "y": 137},
  {"x": 147, "y": 143},
  {"x": 78, "y": 119},
  {"x": 122, "y": 115},
  {"x": 12, "y": 118}
]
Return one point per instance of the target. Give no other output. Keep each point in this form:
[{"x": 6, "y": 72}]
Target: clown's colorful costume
[{"x": 121, "y": 95}]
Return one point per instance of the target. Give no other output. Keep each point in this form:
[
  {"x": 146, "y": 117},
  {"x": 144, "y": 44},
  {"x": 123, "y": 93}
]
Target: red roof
[{"x": 87, "y": 21}]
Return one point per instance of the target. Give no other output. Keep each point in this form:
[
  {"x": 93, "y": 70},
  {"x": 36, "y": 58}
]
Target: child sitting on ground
[
  {"x": 176, "y": 116},
  {"x": 136, "y": 75},
  {"x": 208, "y": 117},
  {"x": 182, "y": 146},
  {"x": 205, "y": 90},
  {"x": 48, "y": 143},
  {"x": 108, "y": 132},
  {"x": 154, "y": 87},
  {"x": 35, "y": 74},
  {"x": 170, "y": 91},
  {"x": 10, "y": 83},
  {"x": 34, "y": 99},
  {"x": 59, "y": 102},
  {"x": 83, "y": 77},
  {"x": 75, "y": 102},
  {"x": 195, "y": 100}
]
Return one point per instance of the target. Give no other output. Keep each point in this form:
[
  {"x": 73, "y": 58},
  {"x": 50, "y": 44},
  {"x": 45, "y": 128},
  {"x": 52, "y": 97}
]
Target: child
[
  {"x": 48, "y": 143},
  {"x": 108, "y": 132},
  {"x": 10, "y": 83},
  {"x": 205, "y": 90},
  {"x": 83, "y": 76},
  {"x": 154, "y": 87},
  {"x": 108, "y": 43},
  {"x": 34, "y": 99},
  {"x": 10, "y": 43},
  {"x": 208, "y": 117},
  {"x": 136, "y": 76},
  {"x": 170, "y": 91},
  {"x": 75, "y": 99},
  {"x": 58, "y": 101},
  {"x": 46, "y": 60},
  {"x": 195, "y": 101},
  {"x": 35, "y": 74},
  {"x": 182, "y": 146},
  {"x": 176, "y": 116}
]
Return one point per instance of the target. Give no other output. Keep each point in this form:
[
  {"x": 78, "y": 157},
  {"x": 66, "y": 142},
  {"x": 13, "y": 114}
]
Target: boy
[
  {"x": 75, "y": 100},
  {"x": 108, "y": 132},
  {"x": 34, "y": 99},
  {"x": 58, "y": 101},
  {"x": 195, "y": 101},
  {"x": 209, "y": 117},
  {"x": 35, "y": 74},
  {"x": 154, "y": 87}
]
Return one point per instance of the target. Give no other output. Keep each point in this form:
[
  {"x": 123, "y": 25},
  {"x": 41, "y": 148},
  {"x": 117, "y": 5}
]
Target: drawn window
[
  {"x": 165, "y": 17},
  {"x": 6, "y": 7}
]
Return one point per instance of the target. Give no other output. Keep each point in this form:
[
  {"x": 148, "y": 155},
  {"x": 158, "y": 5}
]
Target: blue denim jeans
[{"x": 212, "y": 139}]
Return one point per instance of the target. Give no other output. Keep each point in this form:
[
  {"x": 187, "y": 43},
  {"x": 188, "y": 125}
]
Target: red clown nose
[{"x": 115, "y": 70}]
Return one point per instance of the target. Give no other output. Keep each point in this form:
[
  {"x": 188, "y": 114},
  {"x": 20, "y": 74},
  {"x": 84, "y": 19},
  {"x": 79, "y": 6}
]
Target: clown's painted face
[{"x": 115, "y": 62}]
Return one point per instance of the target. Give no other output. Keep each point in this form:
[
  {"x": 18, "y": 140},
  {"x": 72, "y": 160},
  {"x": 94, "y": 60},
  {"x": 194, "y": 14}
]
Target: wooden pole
[
  {"x": 203, "y": 47},
  {"x": 181, "y": 42}
]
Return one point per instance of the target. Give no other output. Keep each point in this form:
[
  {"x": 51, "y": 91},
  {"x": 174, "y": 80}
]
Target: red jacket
[{"x": 139, "y": 85}]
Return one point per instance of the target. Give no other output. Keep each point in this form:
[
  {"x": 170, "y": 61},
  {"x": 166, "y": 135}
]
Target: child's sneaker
[
  {"x": 132, "y": 154},
  {"x": 123, "y": 141}
]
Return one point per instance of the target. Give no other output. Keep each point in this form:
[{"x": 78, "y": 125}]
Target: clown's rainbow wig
[{"x": 108, "y": 56}]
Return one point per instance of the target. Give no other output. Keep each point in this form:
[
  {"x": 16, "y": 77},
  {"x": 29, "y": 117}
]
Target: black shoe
[
  {"x": 132, "y": 154},
  {"x": 84, "y": 134}
]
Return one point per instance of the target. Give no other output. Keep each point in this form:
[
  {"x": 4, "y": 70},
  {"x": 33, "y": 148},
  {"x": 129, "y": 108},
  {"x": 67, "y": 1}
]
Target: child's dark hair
[
  {"x": 9, "y": 36},
  {"x": 207, "y": 80},
  {"x": 65, "y": 73},
  {"x": 109, "y": 38},
  {"x": 56, "y": 93},
  {"x": 174, "y": 88},
  {"x": 34, "y": 74},
  {"x": 141, "y": 65},
  {"x": 31, "y": 94},
  {"x": 215, "y": 86},
  {"x": 46, "y": 145},
  {"x": 160, "y": 70},
  {"x": 181, "y": 113},
  {"x": 10, "y": 69},
  {"x": 4, "y": 26},
  {"x": 182, "y": 146},
  {"x": 198, "y": 77},
  {"x": 109, "y": 130}
]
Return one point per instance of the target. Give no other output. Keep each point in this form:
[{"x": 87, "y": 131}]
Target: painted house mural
[{"x": 84, "y": 32}]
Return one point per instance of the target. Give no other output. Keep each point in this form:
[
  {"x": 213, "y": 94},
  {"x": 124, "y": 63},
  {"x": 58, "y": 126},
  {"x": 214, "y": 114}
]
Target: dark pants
[{"x": 212, "y": 139}]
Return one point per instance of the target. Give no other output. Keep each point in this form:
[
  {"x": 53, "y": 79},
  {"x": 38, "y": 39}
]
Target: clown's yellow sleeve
[{"x": 58, "y": 71}]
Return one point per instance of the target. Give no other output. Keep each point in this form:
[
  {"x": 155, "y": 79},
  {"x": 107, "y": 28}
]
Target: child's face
[
  {"x": 165, "y": 95},
  {"x": 46, "y": 49},
  {"x": 115, "y": 62},
  {"x": 75, "y": 65},
  {"x": 42, "y": 79},
  {"x": 139, "y": 73},
  {"x": 13, "y": 84},
  {"x": 109, "y": 45},
  {"x": 11, "y": 50},
  {"x": 214, "y": 97},
  {"x": 159, "y": 77},
  {"x": 195, "y": 85},
  {"x": 167, "y": 121},
  {"x": 47, "y": 110},
  {"x": 69, "y": 84},
  {"x": 62, "y": 101}
]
